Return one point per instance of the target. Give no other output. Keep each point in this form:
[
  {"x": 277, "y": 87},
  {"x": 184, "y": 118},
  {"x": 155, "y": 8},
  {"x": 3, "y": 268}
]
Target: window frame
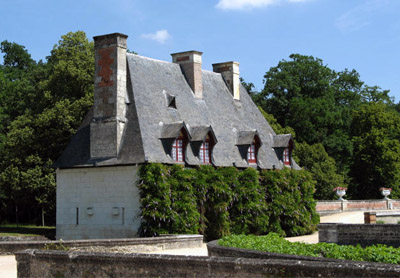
[
  {"x": 175, "y": 148},
  {"x": 205, "y": 151},
  {"x": 286, "y": 156}
]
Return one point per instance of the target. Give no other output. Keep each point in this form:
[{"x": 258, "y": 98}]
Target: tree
[
  {"x": 376, "y": 160},
  {"x": 315, "y": 101},
  {"x": 316, "y": 160},
  {"x": 43, "y": 113}
]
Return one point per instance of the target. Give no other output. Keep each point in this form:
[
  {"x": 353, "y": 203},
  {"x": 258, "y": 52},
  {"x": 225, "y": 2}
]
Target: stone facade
[{"x": 98, "y": 202}]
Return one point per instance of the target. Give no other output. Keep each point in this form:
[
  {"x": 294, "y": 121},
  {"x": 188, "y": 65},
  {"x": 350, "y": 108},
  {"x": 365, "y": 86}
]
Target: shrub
[
  {"x": 273, "y": 243},
  {"x": 155, "y": 200},
  {"x": 249, "y": 211},
  {"x": 289, "y": 195}
]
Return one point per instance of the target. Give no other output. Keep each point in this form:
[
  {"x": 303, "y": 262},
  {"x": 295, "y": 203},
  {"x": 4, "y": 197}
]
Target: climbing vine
[{"x": 217, "y": 202}]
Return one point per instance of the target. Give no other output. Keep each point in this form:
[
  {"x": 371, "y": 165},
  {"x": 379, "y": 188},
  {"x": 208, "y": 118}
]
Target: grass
[
  {"x": 275, "y": 244},
  {"x": 27, "y": 230}
]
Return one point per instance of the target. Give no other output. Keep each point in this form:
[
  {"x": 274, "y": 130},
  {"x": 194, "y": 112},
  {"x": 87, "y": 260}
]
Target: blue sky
[{"x": 354, "y": 34}]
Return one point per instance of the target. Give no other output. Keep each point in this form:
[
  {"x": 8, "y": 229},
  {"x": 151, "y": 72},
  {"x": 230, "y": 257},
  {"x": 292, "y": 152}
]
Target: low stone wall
[
  {"x": 141, "y": 244},
  {"x": 35, "y": 263},
  {"x": 385, "y": 217},
  {"x": 363, "y": 234},
  {"x": 328, "y": 207}
]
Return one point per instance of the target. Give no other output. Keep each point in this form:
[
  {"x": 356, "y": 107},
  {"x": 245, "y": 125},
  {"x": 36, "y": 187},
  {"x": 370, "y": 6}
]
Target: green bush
[
  {"x": 184, "y": 213},
  {"x": 273, "y": 243},
  {"x": 249, "y": 211},
  {"x": 216, "y": 202},
  {"x": 291, "y": 207},
  {"x": 155, "y": 200},
  {"x": 214, "y": 197}
]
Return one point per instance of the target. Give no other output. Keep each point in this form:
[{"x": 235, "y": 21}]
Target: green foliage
[
  {"x": 315, "y": 159},
  {"x": 249, "y": 211},
  {"x": 185, "y": 217},
  {"x": 273, "y": 243},
  {"x": 155, "y": 199},
  {"x": 219, "y": 201},
  {"x": 56, "y": 246},
  {"x": 291, "y": 207},
  {"x": 42, "y": 105},
  {"x": 376, "y": 161},
  {"x": 314, "y": 100},
  {"x": 275, "y": 125}
]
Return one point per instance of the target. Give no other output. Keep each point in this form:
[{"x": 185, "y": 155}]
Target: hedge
[{"x": 217, "y": 202}]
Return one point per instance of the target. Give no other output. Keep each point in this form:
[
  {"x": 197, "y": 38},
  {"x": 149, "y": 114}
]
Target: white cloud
[
  {"x": 243, "y": 4},
  {"x": 160, "y": 36},
  {"x": 249, "y": 4},
  {"x": 360, "y": 16}
]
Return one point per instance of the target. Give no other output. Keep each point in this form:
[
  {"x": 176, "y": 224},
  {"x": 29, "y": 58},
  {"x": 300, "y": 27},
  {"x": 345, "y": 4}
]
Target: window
[
  {"x": 205, "y": 154},
  {"x": 177, "y": 149},
  {"x": 286, "y": 156},
  {"x": 251, "y": 154}
]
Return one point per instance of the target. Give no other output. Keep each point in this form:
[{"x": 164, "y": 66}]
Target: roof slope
[{"x": 151, "y": 86}]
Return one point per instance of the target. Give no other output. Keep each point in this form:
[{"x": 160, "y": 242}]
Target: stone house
[{"x": 146, "y": 110}]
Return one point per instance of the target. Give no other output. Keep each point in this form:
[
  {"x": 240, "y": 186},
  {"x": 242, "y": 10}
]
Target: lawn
[{"x": 27, "y": 230}]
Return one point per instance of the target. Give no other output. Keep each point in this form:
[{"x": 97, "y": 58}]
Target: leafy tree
[
  {"x": 250, "y": 88},
  {"x": 315, "y": 101},
  {"x": 275, "y": 125},
  {"x": 376, "y": 160},
  {"x": 42, "y": 104},
  {"x": 316, "y": 160},
  {"x": 72, "y": 67}
]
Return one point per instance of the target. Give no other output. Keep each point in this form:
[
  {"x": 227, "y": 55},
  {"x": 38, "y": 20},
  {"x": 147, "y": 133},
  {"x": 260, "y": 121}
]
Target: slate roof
[
  {"x": 152, "y": 86},
  {"x": 282, "y": 140}
]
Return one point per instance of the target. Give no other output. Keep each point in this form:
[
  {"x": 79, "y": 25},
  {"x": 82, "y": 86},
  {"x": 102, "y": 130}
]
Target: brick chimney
[
  {"x": 190, "y": 62},
  {"x": 110, "y": 95},
  {"x": 230, "y": 73}
]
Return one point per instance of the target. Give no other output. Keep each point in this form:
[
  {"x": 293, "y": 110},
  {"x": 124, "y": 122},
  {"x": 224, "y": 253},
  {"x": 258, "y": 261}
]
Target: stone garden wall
[
  {"x": 327, "y": 207},
  {"x": 39, "y": 263},
  {"x": 363, "y": 234},
  {"x": 141, "y": 244}
]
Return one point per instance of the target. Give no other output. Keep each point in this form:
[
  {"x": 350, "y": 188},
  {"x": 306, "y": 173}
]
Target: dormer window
[
  {"x": 202, "y": 143},
  {"x": 283, "y": 145},
  {"x": 205, "y": 152},
  {"x": 248, "y": 143}
]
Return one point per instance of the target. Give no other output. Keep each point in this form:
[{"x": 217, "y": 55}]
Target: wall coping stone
[{"x": 164, "y": 241}]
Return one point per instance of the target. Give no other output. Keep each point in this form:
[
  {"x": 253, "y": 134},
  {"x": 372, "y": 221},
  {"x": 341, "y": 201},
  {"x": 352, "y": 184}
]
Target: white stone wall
[{"x": 107, "y": 199}]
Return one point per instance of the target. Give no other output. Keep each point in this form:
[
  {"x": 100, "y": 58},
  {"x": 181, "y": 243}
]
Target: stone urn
[
  {"x": 385, "y": 192},
  {"x": 340, "y": 192}
]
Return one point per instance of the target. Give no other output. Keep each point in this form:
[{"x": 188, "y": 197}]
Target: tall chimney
[
  {"x": 230, "y": 73},
  {"x": 190, "y": 62},
  {"x": 110, "y": 95}
]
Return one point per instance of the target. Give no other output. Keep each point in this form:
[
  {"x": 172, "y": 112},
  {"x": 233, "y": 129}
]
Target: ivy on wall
[{"x": 217, "y": 202}]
